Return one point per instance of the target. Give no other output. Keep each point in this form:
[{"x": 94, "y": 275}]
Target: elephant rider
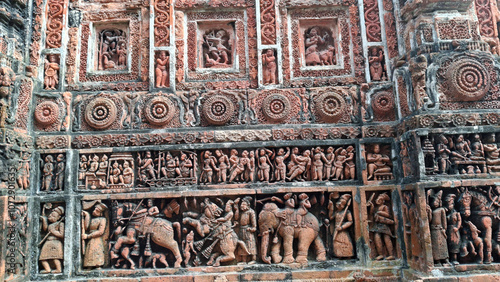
[
  {"x": 135, "y": 223},
  {"x": 304, "y": 205},
  {"x": 289, "y": 211}
]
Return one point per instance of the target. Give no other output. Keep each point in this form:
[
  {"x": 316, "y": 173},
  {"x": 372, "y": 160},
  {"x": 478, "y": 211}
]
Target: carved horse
[
  {"x": 476, "y": 204},
  {"x": 160, "y": 230}
]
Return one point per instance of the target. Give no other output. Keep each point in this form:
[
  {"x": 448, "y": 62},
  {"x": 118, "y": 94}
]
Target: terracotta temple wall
[{"x": 249, "y": 140}]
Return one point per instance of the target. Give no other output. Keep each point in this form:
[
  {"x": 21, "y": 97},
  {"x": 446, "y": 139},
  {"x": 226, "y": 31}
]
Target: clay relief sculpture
[
  {"x": 379, "y": 164},
  {"x": 217, "y": 49},
  {"x": 140, "y": 228},
  {"x": 95, "y": 234},
  {"x": 461, "y": 154},
  {"x": 51, "y": 79},
  {"x": 381, "y": 226},
  {"x": 269, "y": 67},
  {"x": 161, "y": 70},
  {"x": 285, "y": 223},
  {"x": 341, "y": 222},
  {"x": 103, "y": 171},
  {"x": 52, "y": 173},
  {"x": 377, "y": 64},
  {"x": 215, "y": 225},
  {"x": 463, "y": 231},
  {"x": 17, "y": 236},
  {"x": 52, "y": 228},
  {"x": 160, "y": 168},
  {"x": 112, "y": 52},
  {"x": 319, "y": 48}
]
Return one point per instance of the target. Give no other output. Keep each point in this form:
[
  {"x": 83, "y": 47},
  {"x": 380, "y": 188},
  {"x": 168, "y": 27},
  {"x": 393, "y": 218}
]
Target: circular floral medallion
[
  {"x": 100, "y": 113},
  {"x": 218, "y": 109},
  {"x": 46, "y": 113},
  {"x": 159, "y": 110},
  {"x": 329, "y": 106},
  {"x": 383, "y": 103},
  {"x": 276, "y": 107},
  {"x": 469, "y": 80}
]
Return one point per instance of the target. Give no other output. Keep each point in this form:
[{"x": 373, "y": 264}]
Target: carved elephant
[{"x": 273, "y": 220}]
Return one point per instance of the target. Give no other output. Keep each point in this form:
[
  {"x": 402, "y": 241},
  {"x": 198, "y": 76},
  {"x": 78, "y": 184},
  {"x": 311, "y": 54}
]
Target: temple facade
[{"x": 249, "y": 140}]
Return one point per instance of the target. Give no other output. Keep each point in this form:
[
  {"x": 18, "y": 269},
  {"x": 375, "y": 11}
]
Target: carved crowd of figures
[
  {"x": 98, "y": 171},
  {"x": 162, "y": 168},
  {"x": 53, "y": 172},
  {"x": 212, "y": 231},
  {"x": 459, "y": 154},
  {"x": 463, "y": 222},
  {"x": 112, "y": 52}
]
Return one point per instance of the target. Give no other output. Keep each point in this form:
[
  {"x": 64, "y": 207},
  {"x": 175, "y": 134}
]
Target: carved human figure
[
  {"x": 377, "y": 162},
  {"x": 186, "y": 166},
  {"x": 170, "y": 166},
  {"x": 121, "y": 51},
  {"x": 112, "y": 49},
  {"x": 94, "y": 230},
  {"x": 146, "y": 168},
  {"x": 51, "y": 78},
  {"x": 312, "y": 41},
  {"x": 246, "y": 218},
  {"x": 264, "y": 164},
  {"x": 280, "y": 167},
  {"x": 443, "y": 154},
  {"x": 116, "y": 176},
  {"x": 338, "y": 165},
  {"x": 208, "y": 167},
  {"x": 161, "y": 70},
  {"x": 217, "y": 54},
  {"x": 492, "y": 153},
  {"x": 318, "y": 162},
  {"x": 477, "y": 149},
  {"x": 17, "y": 218},
  {"x": 302, "y": 164},
  {"x": 223, "y": 166},
  {"x": 416, "y": 247},
  {"x": 475, "y": 242},
  {"x": 59, "y": 181},
  {"x": 382, "y": 218},
  {"x": 84, "y": 166},
  {"x": 330, "y": 157},
  {"x": 52, "y": 243},
  {"x": 350, "y": 166},
  {"x": 454, "y": 221},
  {"x": 242, "y": 166},
  {"x": 103, "y": 167},
  {"x": 269, "y": 67},
  {"x": 376, "y": 59},
  {"x": 341, "y": 219},
  {"x": 188, "y": 247},
  {"x": 128, "y": 173},
  {"x": 48, "y": 173},
  {"x": 461, "y": 149},
  {"x": 23, "y": 179},
  {"x": 438, "y": 225}
]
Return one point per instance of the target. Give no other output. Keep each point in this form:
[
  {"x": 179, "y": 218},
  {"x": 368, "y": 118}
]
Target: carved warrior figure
[
  {"x": 51, "y": 252},
  {"x": 318, "y": 52},
  {"x": 217, "y": 51},
  {"x": 51, "y": 79},
  {"x": 94, "y": 235},
  {"x": 453, "y": 230},
  {"x": 269, "y": 67},
  {"x": 381, "y": 227},
  {"x": 112, "y": 53},
  {"x": 142, "y": 227},
  {"x": 377, "y": 66},
  {"x": 378, "y": 164},
  {"x": 341, "y": 222},
  {"x": 215, "y": 225},
  {"x": 288, "y": 224},
  {"x": 246, "y": 217},
  {"x": 161, "y": 70}
]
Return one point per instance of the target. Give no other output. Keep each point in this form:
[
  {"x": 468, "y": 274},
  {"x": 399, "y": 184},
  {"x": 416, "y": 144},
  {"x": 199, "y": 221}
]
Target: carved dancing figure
[
  {"x": 208, "y": 167},
  {"x": 376, "y": 59},
  {"x": 223, "y": 166},
  {"x": 264, "y": 164},
  {"x": 51, "y": 79},
  {"x": 280, "y": 168},
  {"x": 269, "y": 66}
]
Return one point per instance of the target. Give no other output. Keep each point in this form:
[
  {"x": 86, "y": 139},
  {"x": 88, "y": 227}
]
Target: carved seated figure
[
  {"x": 463, "y": 157},
  {"x": 378, "y": 165}
]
